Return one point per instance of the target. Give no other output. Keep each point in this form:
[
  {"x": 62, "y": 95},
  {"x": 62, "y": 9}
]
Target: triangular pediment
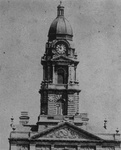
[
  {"x": 66, "y": 131},
  {"x": 63, "y": 58}
]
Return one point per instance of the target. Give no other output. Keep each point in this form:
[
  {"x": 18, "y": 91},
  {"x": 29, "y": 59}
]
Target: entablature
[{"x": 60, "y": 60}]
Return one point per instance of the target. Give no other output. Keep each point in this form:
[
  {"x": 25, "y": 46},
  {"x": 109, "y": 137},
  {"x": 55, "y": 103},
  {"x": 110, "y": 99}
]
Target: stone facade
[{"x": 60, "y": 126}]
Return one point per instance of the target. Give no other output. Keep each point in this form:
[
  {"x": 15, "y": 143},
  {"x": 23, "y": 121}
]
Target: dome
[{"x": 60, "y": 27}]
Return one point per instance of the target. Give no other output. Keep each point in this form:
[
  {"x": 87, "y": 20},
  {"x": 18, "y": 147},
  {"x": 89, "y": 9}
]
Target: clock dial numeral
[{"x": 61, "y": 48}]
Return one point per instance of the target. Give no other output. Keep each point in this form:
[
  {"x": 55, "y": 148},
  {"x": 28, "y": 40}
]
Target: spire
[{"x": 60, "y": 9}]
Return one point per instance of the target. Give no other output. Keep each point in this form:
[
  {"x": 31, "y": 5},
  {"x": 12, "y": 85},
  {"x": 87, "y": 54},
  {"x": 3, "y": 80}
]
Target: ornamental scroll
[
  {"x": 64, "y": 133},
  {"x": 70, "y": 98},
  {"x": 53, "y": 97}
]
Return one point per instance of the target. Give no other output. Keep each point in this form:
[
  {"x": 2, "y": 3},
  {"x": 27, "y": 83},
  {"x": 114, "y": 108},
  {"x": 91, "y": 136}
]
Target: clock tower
[
  {"x": 60, "y": 88},
  {"x": 60, "y": 126}
]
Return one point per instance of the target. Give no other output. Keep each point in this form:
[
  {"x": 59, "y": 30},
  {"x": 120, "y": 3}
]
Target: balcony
[
  {"x": 70, "y": 86},
  {"x": 57, "y": 86}
]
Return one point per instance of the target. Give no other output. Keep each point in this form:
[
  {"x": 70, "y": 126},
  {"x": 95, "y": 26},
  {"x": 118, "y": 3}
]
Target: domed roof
[{"x": 60, "y": 27}]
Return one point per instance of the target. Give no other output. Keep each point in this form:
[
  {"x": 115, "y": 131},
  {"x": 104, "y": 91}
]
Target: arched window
[
  {"x": 60, "y": 76},
  {"x": 61, "y": 107},
  {"x": 59, "y": 110}
]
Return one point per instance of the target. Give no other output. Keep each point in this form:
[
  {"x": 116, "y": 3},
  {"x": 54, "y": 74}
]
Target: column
[
  {"x": 46, "y": 72},
  {"x": 53, "y": 74},
  {"x": 56, "y": 77},
  {"x": 43, "y": 72},
  {"x": 74, "y": 73},
  {"x": 49, "y": 73},
  {"x": 69, "y": 78}
]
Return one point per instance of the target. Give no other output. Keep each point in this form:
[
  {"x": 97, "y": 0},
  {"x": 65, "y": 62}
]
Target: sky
[{"x": 24, "y": 26}]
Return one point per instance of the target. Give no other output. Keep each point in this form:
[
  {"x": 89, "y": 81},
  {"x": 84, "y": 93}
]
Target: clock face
[{"x": 61, "y": 48}]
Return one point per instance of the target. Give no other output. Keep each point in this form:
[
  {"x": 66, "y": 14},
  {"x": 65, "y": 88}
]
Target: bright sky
[{"x": 24, "y": 26}]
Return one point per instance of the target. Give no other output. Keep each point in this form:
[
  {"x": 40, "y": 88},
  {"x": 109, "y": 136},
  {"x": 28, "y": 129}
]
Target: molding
[{"x": 54, "y": 97}]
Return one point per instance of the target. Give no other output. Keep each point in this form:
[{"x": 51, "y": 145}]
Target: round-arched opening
[{"x": 61, "y": 76}]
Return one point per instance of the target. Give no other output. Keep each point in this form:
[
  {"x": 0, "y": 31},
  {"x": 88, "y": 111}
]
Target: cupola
[{"x": 60, "y": 27}]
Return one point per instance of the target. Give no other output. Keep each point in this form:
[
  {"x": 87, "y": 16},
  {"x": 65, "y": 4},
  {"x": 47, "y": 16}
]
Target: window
[
  {"x": 59, "y": 108},
  {"x": 61, "y": 76}
]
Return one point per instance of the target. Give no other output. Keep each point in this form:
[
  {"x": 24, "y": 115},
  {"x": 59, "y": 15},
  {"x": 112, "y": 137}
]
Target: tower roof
[{"x": 60, "y": 27}]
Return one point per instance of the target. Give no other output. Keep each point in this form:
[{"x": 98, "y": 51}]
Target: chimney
[{"x": 24, "y": 118}]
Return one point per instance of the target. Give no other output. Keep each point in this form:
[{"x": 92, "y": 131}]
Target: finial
[
  {"x": 117, "y": 131},
  {"x": 105, "y": 124},
  {"x": 12, "y": 119},
  {"x": 60, "y": 3},
  {"x": 12, "y": 124},
  {"x": 60, "y": 9}
]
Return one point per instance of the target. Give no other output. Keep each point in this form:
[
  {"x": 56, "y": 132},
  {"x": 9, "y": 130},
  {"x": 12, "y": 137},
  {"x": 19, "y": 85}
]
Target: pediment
[
  {"x": 62, "y": 58},
  {"x": 65, "y": 131}
]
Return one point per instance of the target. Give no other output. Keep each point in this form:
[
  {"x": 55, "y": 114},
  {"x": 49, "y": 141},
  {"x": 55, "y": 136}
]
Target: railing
[
  {"x": 58, "y": 86},
  {"x": 71, "y": 86}
]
